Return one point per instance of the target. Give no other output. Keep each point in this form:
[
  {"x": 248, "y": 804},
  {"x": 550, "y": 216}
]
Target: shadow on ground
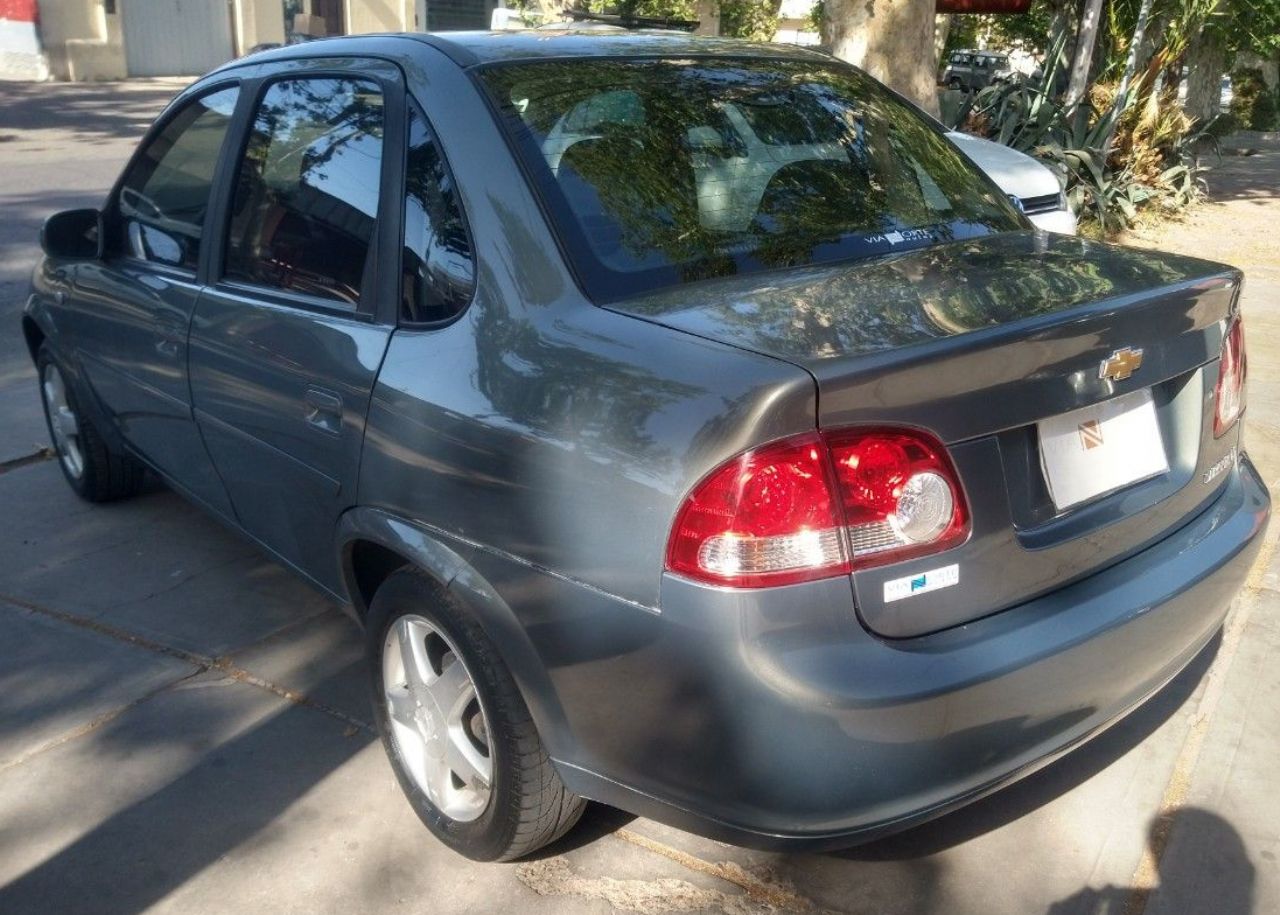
[
  {"x": 230, "y": 800},
  {"x": 90, "y": 112}
]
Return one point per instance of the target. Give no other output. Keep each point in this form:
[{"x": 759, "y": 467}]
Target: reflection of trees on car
[
  {"x": 295, "y": 224},
  {"x": 710, "y": 168}
]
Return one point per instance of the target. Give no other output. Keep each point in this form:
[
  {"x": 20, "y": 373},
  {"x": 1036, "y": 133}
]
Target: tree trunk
[
  {"x": 1085, "y": 40},
  {"x": 1135, "y": 47},
  {"x": 893, "y": 40},
  {"x": 1206, "y": 61},
  {"x": 941, "y": 32}
]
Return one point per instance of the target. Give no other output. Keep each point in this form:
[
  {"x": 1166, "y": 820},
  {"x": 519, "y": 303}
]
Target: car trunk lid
[{"x": 976, "y": 342}]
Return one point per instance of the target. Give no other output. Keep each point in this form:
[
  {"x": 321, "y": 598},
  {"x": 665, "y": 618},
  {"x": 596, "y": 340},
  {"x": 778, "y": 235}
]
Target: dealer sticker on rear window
[{"x": 898, "y": 588}]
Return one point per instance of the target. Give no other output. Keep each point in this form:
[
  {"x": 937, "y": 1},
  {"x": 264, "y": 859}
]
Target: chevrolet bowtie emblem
[{"x": 1120, "y": 364}]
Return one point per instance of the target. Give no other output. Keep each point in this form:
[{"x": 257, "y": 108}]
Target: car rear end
[
  {"x": 1016, "y": 586},
  {"x": 1024, "y": 505}
]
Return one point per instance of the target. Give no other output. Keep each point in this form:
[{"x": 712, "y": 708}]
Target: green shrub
[
  {"x": 1253, "y": 105},
  {"x": 756, "y": 20},
  {"x": 1117, "y": 158}
]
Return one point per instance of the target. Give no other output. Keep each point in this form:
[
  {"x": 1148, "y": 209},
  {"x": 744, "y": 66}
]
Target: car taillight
[
  {"x": 901, "y": 496},
  {"x": 1229, "y": 394},
  {"x": 817, "y": 506}
]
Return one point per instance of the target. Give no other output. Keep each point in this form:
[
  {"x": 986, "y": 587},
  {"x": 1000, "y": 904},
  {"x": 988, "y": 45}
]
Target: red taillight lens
[
  {"x": 901, "y": 496},
  {"x": 818, "y": 506},
  {"x": 1229, "y": 394},
  {"x": 767, "y": 517}
]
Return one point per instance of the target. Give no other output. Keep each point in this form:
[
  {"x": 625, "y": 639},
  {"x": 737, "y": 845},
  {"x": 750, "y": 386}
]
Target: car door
[
  {"x": 132, "y": 308},
  {"x": 289, "y": 334}
]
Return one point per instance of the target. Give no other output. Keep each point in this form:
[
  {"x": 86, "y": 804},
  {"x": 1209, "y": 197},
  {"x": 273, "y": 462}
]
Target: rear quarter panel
[
  {"x": 564, "y": 437},
  {"x": 539, "y": 426}
]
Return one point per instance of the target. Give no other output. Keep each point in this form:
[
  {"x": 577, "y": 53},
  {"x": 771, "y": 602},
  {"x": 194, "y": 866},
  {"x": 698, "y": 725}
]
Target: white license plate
[{"x": 1090, "y": 452}]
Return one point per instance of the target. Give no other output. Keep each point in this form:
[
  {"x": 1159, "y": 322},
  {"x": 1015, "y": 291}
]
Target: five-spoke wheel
[
  {"x": 436, "y": 720},
  {"x": 458, "y": 733},
  {"x": 96, "y": 469},
  {"x": 64, "y": 426}
]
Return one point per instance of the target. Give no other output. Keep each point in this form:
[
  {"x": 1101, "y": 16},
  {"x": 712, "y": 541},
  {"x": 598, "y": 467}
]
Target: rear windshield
[{"x": 662, "y": 172}]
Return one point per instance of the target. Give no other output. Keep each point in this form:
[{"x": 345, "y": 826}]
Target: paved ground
[{"x": 183, "y": 726}]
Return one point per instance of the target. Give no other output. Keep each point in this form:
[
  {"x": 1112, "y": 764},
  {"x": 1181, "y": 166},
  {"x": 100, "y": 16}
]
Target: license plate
[{"x": 1090, "y": 452}]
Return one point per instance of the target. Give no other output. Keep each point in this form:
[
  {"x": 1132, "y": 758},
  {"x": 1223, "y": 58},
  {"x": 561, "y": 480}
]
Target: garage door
[{"x": 175, "y": 37}]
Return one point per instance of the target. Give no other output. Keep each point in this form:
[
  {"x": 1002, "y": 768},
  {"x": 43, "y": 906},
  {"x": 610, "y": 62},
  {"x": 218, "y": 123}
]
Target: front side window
[
  {"x": 306, "y": 192},
  {"x": 439, "y": 272},
  {"x": 661, "y": 172},
  {"x": 165, "y": 195}
]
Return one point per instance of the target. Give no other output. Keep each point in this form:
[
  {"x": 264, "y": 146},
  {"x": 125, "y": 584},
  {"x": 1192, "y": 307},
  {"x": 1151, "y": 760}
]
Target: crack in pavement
[
  {"x": 26, "y": 460},
  {"x": 202, "y": 664},
  {"x": 96, "y": 722}
]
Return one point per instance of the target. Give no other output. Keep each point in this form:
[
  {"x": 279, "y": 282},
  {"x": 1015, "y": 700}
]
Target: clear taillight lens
[
  {"x": 901, "y": 497},
  {"x": 1229, "y": 394},
  {"x": 817, "y": 506}
]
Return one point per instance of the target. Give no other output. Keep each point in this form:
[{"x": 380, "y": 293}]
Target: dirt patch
[{"x": 556, "y": 877}]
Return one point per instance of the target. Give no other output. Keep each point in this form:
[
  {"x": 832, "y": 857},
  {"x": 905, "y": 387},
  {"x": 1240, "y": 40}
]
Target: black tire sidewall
[{"x": 487, "y": 837}]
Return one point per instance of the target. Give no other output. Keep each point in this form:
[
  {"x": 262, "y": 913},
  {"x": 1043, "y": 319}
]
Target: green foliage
[
  {"x": 1028, "y": 30},
  {"x": 1116, "y": 157},
  {"x": 1249, "y": 25},
  {"x": 756, "y": 20},
  {"x": 669, "y": 9},
  {"x": 1253, "y": 105}
]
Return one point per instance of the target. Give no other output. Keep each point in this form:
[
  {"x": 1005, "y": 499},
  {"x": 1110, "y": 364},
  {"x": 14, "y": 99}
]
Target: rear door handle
[{"x": 324, "y": 410}]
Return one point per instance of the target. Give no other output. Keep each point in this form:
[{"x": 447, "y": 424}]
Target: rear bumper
[{"x": 767, "y": 719}]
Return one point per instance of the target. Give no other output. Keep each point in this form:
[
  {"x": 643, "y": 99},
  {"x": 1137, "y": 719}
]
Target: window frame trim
[
  {"x": 414, "y": 104},
  {"x": 111, "y": 209},
  {"x": 372, "y": 305}
]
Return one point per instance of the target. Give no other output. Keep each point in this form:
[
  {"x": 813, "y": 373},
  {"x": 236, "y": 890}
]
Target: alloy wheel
[
  {"x": 437, "y": 724},
  {"x": 63, "y": 422}
]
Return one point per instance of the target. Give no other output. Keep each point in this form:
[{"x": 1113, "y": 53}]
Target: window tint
[
  {"x": 164, "y": 196},
  {"x": 723, "y": 167},
  {"x": 306, "y": 193},
  {"x": 439, "y": 273}
]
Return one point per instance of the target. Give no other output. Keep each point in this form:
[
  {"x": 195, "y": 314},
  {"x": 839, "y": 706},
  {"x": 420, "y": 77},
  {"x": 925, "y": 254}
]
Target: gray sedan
[{"x": 691, "y": 427}]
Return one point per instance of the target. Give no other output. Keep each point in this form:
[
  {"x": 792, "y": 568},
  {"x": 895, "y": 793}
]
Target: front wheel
[
  {"x": 456, "y": 730},
  {"x": 96, "y": 471}
]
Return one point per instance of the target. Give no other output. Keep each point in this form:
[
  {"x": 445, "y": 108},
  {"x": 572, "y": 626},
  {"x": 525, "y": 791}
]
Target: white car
[{"x": 1031, "y": 183}]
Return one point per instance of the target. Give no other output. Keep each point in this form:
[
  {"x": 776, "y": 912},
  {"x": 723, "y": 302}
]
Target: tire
[
  {"x": 527, "y": 806},
  {"x": 93, "y": 469},
  {"x": 955, "y": 84}
]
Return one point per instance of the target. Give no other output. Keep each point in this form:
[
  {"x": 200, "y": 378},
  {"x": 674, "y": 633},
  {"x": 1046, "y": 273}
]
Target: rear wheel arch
[
  {"x": 384, "y": 543},
  {"x": 367, "y": 564}
]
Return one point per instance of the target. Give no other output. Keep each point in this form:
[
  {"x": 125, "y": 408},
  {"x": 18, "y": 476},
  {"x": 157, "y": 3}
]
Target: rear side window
[
  {"x": 439, "y": 272},
  {"x": 164, "y": 196},
  {"x": 306, "y": 192}
]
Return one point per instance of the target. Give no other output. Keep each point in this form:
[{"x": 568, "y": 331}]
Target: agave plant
[{"x": 1117, "y": 151}]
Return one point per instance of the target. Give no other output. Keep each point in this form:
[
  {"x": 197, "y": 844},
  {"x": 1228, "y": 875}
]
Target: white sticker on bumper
[{"x": 923, "y": 583}]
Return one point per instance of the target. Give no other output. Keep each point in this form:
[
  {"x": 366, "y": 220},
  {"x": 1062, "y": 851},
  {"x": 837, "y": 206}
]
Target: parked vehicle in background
[
  {"x": 689, "y": 425},
  {"x": 1034, "y": 186},
  {"x": 970, "y": 70}
]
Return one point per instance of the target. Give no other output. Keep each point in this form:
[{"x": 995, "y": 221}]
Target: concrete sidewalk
[{"x": 184, "y": 726}]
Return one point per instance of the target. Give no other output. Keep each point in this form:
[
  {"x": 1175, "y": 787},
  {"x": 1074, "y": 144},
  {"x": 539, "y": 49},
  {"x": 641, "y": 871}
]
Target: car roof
[{"x": 469, "y": 49}]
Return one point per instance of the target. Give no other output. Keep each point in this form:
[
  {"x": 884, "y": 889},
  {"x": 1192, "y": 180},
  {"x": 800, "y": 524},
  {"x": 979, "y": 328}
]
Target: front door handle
[{"x": 324, "y": 410}]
